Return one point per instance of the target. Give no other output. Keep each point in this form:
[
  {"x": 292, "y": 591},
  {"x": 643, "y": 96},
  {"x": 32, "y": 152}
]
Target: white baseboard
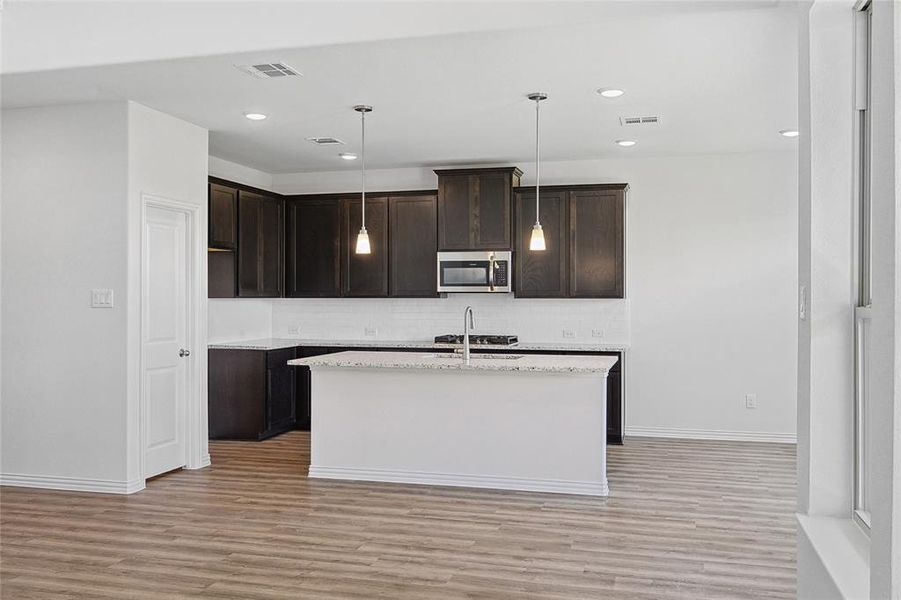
[
  {"x": 72, "y": 484},
  {"x": 712, "y": 434},
  {"x": 204, "y": 463},
  {"x": 554, "y": 486}
]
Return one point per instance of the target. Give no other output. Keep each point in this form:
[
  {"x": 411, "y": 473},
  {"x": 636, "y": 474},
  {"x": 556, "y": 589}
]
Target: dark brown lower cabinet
[{"x": 252, "y": 393}]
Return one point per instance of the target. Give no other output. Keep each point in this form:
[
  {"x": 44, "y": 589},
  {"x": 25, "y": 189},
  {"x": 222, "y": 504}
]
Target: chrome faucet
[{"x": 467, "y": 325}]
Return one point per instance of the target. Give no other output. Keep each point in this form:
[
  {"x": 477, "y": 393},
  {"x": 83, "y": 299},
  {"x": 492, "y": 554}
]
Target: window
[{"x": 863, "y": 306}]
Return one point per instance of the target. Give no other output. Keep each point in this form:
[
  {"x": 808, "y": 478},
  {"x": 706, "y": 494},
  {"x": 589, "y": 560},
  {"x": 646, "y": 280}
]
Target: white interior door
[{"x": 165, "y": 336}]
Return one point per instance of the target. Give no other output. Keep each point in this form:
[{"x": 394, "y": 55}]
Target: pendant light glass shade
[
  {"x": 536, "y": 242},
  {"x": 363, "y": 242},
  {"x": 363, "y": 246}
]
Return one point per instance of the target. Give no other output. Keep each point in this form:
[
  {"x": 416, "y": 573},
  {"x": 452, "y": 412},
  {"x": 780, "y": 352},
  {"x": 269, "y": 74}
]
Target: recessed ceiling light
[
  {"x": 789, "y": 133},
  {"x": 610, "y": 92},
  {"x": 255, "y": 116},
  {"x": 348, "y": 156},
  {"x": 626, "y": 143}
]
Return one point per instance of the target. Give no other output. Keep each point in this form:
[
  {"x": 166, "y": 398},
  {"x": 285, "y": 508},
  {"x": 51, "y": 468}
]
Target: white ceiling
[{"x": 722, "y": 78}]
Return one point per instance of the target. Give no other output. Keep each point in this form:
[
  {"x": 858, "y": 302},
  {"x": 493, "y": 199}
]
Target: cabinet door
[
  {"x": 280, "y": 390},
  {"x": 220, "y": 274},
  {"x": 541, "y": 274},
  {"x": 313, "y": 248},
  {"x": 259, "y": 245},
  {"x": 366, "y": 274},
  {"x": 455, "y": 225},
  {"x": 223, "y": 210},
  {"x": 236, "y": 399},
  {"x": 249, "y": 213},
  {"x": 271, "y": 244},
  {"x": 491, "y": 212},
  {"x": 413, "y": 246},
  {"x": 596, "y": 223},
  {"x": 614, "y": 408}
]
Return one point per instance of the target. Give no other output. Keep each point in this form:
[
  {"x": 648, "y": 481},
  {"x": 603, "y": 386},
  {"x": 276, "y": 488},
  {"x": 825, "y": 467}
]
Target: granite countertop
[
  {"x": 279, "y": 343},
  {"x": 541, "y": 363}
]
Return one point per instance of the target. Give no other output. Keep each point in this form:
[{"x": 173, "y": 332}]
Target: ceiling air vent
[
  {"x": 324, "y": 141},
  {"x": 639, "y": 120},
  {"x": 269, "y": 70}
]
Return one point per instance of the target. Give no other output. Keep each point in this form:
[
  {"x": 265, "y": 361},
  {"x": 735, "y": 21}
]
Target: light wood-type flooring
[{"x": 685, "y": 519}]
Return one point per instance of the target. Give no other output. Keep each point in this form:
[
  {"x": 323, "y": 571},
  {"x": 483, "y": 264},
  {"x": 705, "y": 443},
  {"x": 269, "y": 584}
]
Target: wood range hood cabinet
[{"x": 475, "y": 208}]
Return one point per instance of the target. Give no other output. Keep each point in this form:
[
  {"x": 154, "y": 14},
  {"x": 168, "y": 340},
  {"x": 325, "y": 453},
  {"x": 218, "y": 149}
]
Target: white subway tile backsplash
[{"x": 532, "y": 320}]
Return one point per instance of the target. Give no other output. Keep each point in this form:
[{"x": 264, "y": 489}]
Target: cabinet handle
[
  {"x": 491, "y": 272},
  {"x": 183, "y": 353}
]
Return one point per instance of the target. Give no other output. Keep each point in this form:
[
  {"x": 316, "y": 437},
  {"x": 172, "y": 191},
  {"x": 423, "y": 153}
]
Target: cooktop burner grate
[{"x": 478, "y": 340}]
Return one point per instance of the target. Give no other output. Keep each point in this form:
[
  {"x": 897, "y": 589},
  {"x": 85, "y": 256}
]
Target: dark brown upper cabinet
[
  {"x": 413, "y": 245},
  {"x": 260, "y": 244},
  {"x": 584, "y": 234},
  {"x": 313, "y": 248},
  {"x": 365, "y": 274},
  {"x": 475, "y": 208},
  {"x": 541, "y": 274},
  {"x": 223, "y": 212},
  {"x": 596, "y": 250},
  {"x": 221, "y": 274}
]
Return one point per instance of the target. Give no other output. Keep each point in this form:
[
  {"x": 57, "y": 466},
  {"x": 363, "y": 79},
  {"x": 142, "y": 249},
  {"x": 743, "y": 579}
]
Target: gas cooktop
[{"x": 478, "y": 340}]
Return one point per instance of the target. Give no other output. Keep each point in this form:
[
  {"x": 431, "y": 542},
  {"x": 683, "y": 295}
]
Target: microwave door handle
[{"x": 491, "y": 273}]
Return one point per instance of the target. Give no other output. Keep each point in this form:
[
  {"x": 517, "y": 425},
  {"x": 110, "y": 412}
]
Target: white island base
[{"x": 536, "y": 426}]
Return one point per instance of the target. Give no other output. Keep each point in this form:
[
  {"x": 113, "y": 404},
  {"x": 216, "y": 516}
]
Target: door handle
[{"x": 183, "y": 353}]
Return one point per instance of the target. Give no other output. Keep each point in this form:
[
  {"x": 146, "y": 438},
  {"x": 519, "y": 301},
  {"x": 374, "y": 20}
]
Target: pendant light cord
[
  {"x": 363, "y": 162},
  {"x": 537, "y": 162}
]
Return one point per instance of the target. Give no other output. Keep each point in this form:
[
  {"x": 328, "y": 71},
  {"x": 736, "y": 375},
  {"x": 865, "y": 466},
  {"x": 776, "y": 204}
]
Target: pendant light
[
  {"x": 363, "y": 237},
  {"x": 536, "y": 242}
]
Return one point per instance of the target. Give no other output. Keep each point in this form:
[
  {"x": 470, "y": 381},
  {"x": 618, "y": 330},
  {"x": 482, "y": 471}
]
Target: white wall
[
  {"x": 219, "y": 167},
  {"x": 72, "y": 186},
  {"x": 826, "y": 378},
  {"x": 168, "y": 159},
  {"x": 711, "y": 290},
  {"x": 64, "y": 232},
  {"x": 885, "y": 390},
  {"x": 239, "y": 319},
  {"x": 834, "y": 556}
]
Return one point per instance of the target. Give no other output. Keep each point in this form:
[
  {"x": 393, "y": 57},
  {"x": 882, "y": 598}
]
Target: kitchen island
[{"x": 515, "y": 421}]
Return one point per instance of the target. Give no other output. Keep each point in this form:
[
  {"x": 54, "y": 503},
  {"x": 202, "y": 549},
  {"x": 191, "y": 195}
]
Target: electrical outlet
[
  {"x": 597, "y": 333},
  {"x": 568, "y": 333},
  {"x": 370, "y": 331},
  {"x": 751, "y": 401}
]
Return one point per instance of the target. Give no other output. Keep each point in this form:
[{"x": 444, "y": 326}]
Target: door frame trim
[{"x": 196, "y": 454}]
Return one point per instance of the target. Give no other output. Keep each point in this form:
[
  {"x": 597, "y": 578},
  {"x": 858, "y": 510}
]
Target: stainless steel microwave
[{"x": 478, "y": 271}]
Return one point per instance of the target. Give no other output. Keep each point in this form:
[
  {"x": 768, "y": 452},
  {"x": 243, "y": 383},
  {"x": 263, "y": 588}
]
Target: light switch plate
[
  {"x": 751, "y": 401},
  {"x": 102, "y": 298}
]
